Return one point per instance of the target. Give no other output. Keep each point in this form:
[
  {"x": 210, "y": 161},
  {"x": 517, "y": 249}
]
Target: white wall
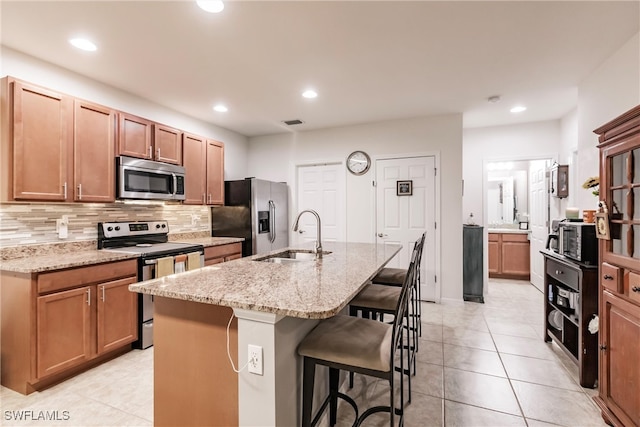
[
  {"x": 32, "y": 70},
  {"x": 609, "y": 91},
  {"x": 275, "y": 157},
  {"x": 515, "y": 142}
]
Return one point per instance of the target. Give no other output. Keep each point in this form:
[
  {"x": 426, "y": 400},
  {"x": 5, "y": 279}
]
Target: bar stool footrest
[{"x": 342, "y": 396}]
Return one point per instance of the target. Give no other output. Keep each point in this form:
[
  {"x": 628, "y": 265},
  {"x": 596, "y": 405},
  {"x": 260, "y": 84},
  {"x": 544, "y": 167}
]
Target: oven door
[{"x": 143, "y": 179}]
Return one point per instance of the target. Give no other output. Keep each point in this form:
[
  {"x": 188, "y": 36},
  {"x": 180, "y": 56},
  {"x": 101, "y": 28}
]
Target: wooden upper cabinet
[
  {"x": 167, "y": 144},
  {"x": 94, "y": 153},
  {"x": 42, "y": 134},
  {"x": 194, "y": 158},
  {"x": 215, "y": 173},
  {"x": 134, "y": 136}
]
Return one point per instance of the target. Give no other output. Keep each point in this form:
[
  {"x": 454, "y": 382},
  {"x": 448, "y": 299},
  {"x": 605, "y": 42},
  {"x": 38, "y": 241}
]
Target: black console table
[{"x": 571, "y": 301}]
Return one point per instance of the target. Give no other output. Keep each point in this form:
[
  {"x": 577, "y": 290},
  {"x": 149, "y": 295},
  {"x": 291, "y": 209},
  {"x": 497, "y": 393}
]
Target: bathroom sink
[{"x": 291, "y": 256}]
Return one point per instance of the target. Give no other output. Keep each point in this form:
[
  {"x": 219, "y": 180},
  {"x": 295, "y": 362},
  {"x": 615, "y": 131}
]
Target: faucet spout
[{"x": 318, "y": 247}]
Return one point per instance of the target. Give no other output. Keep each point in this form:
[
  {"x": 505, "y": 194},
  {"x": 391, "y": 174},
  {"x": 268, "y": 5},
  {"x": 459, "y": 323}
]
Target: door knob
[{"x": 382, "y": 235}]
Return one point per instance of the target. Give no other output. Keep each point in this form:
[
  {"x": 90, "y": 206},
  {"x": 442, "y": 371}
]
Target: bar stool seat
[
  {"x": 390, "y": 276},
  {"x": 378, "y": 297},
  {"x": 352, "y": 341}
]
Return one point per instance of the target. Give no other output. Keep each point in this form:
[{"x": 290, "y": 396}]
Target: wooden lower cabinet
[
  {"x": 64, "y": 330},
  {"x": 509, "y": 256},
  {"x": 117, "y": 311},
  {"x": 217, "y": 254},
  {"x": 620, "y": 372},
  {"x": 56, "y": 323}
]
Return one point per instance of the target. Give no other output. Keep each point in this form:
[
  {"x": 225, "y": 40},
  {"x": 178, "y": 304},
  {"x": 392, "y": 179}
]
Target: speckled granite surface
[
  {"x": 507, "y": 231},
  {"x": 313, "y": 289},
  {"x": 50, "y": 257}
]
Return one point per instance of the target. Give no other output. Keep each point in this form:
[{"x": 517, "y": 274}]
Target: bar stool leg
[
  {"x": 334, "y": 375},
  {"x": 308, "y": 379}
]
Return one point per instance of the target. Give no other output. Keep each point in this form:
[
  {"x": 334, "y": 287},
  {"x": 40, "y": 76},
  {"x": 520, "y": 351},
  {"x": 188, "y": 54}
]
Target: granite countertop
[
  {"x": 74, "y": 256},
  {"x": 314, "y": 289},
  {"x": 508, "y": 231}
]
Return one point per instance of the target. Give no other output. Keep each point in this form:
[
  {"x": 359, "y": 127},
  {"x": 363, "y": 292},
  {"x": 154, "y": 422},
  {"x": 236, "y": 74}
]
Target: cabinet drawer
[
  {"x": 611, "y": 277},
  {"x": 222, "y": 251},
  {"x": 515, "y": 237},
  {"x": 564, "y": 274},
  {"x": 65, "y": 279},
  {"x": 494, "y": 237},
  {"x": 634, "y": 287}
]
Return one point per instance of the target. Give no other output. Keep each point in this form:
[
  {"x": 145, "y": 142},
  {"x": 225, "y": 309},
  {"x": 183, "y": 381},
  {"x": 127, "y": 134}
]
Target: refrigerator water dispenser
[{"x": 263, "y": 222}]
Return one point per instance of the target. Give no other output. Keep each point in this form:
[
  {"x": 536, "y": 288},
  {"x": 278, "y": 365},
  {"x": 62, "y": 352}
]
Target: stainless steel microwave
[
  {"x": 149, "y": 180},
  {"x": 578, "y": 241}
]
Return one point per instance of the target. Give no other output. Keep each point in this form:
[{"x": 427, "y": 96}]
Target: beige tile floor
[{"x": 478, "y": 365}]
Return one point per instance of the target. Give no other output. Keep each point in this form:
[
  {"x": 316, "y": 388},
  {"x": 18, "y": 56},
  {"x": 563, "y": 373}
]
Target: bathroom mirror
[{"x": 507, "y": 192}]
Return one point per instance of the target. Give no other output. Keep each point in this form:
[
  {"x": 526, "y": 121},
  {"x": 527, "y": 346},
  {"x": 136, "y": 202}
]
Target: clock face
[
  {"x": 602, "y": 226},
  {"x": 358, "y": 162}
]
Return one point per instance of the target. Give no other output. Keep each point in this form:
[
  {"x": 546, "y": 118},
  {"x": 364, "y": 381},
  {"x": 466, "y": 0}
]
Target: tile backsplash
[{"x": 35, "y": 223}]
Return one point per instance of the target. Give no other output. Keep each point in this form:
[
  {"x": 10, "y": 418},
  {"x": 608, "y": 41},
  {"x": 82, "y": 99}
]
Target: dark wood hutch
[{"x": 619, "y": 337}]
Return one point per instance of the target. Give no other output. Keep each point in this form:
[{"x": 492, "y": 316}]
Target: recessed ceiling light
[
  {"x": 309, "y": 94},
  {"x": 220, "y": 108},
  {"x": 211, "y": 6},
  {"x": 518, "y": 109},
  {"x": 83, "y": 44}
]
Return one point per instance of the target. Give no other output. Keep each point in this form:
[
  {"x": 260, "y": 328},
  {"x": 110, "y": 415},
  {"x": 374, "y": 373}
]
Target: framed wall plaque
[{"x": 404, "y": 188}]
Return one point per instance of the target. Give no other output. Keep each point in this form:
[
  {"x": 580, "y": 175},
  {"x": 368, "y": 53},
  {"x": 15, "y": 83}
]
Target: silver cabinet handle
[
  {"x": 209, "y": 198},
  {"x": 204, "y": 199},
  {"x": 382, "y": 235},
  {"x": 103, "y": 296},
  {"x": 79, "y": 191},
  {"x": 608, "y": 277},
  {"x": 89, "y": 296},
  {"x": 158, "y": 154},
  {"x": 635, "y": 289},
  {"x": 559, "y": 272},
  {"x": 150, "y": 153},
  {"x": 64, "y": 189}
]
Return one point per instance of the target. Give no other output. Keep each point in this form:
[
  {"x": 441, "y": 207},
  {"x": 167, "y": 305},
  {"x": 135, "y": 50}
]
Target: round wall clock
[{"x": 358, "y": 162}]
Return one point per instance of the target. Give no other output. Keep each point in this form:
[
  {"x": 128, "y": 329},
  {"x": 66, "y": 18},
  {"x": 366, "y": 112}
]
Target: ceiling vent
[{"x": 292, "y": 122}]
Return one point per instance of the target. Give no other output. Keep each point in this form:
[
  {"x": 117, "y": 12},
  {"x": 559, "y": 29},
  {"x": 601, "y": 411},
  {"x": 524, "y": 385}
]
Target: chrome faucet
[{"x": 318, "y": 249}]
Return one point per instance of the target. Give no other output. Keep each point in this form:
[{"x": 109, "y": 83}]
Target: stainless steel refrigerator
[{"x": 256, "y": 210}]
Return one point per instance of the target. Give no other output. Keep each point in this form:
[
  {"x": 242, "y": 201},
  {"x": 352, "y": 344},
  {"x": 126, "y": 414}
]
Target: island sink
[{"x": 291, "y": 256}]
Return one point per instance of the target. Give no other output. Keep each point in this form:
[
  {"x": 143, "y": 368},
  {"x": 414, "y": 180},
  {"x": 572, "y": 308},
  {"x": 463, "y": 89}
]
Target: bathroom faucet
[{"x": 318, "y": 249}]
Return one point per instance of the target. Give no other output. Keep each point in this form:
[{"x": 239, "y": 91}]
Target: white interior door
[
  {"x": 538, "y": 219},
  {"x": 403, "y": 218},
  {"x": 321, "y": 188}
]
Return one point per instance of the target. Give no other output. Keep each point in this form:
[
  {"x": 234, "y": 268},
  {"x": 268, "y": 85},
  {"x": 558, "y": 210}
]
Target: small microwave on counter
[{"x": 577, "y": 240}]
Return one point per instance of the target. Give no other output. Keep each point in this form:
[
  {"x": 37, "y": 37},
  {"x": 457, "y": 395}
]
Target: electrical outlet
[{"x": 254, "y": 357}]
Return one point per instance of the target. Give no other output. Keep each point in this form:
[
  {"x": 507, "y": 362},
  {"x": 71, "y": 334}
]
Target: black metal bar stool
[
  {"x": 355, "y": 344},
  {"x": 376, "y": 300}
]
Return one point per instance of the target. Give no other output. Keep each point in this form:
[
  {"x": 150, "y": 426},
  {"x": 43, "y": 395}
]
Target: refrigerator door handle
[{"x": 272, "y": 221}]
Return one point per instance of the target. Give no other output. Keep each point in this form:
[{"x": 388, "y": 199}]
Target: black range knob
[
  {"x": 164, "y": 225},
  {"x": 109, "y": 228},
  {"x": 157, "y": 225},
  {"x": 117, "y": 228}
]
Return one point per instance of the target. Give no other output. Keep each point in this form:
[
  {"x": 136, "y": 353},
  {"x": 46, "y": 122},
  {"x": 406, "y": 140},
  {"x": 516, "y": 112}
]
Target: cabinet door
[
  {"x": 117, "y": 314},
  {"x": 63, "y": 330},
  {"x": 194, "y": 158},
  {"x": 515, "y": 254},
  {"x": 134, "y": 136},
  {"x": 167, "y": 144},
  {"x": 620, "y": 372},
  {"x": 494, "y": 256},
  {"x": 42, "y": 122},
  {"x": 94, "y": 151},
  {"x": 215, "y": 173}
]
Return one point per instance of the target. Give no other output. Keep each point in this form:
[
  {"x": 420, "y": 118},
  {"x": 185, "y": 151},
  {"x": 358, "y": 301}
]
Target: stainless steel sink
[{"x": 291, "y": 256}]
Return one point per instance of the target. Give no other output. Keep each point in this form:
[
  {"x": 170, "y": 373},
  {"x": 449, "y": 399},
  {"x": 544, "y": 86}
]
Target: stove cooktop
[{"x": 158, "y": 249}]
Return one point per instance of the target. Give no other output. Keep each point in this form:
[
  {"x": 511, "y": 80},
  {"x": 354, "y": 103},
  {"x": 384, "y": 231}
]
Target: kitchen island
[{"x": 276, "y": 305}]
